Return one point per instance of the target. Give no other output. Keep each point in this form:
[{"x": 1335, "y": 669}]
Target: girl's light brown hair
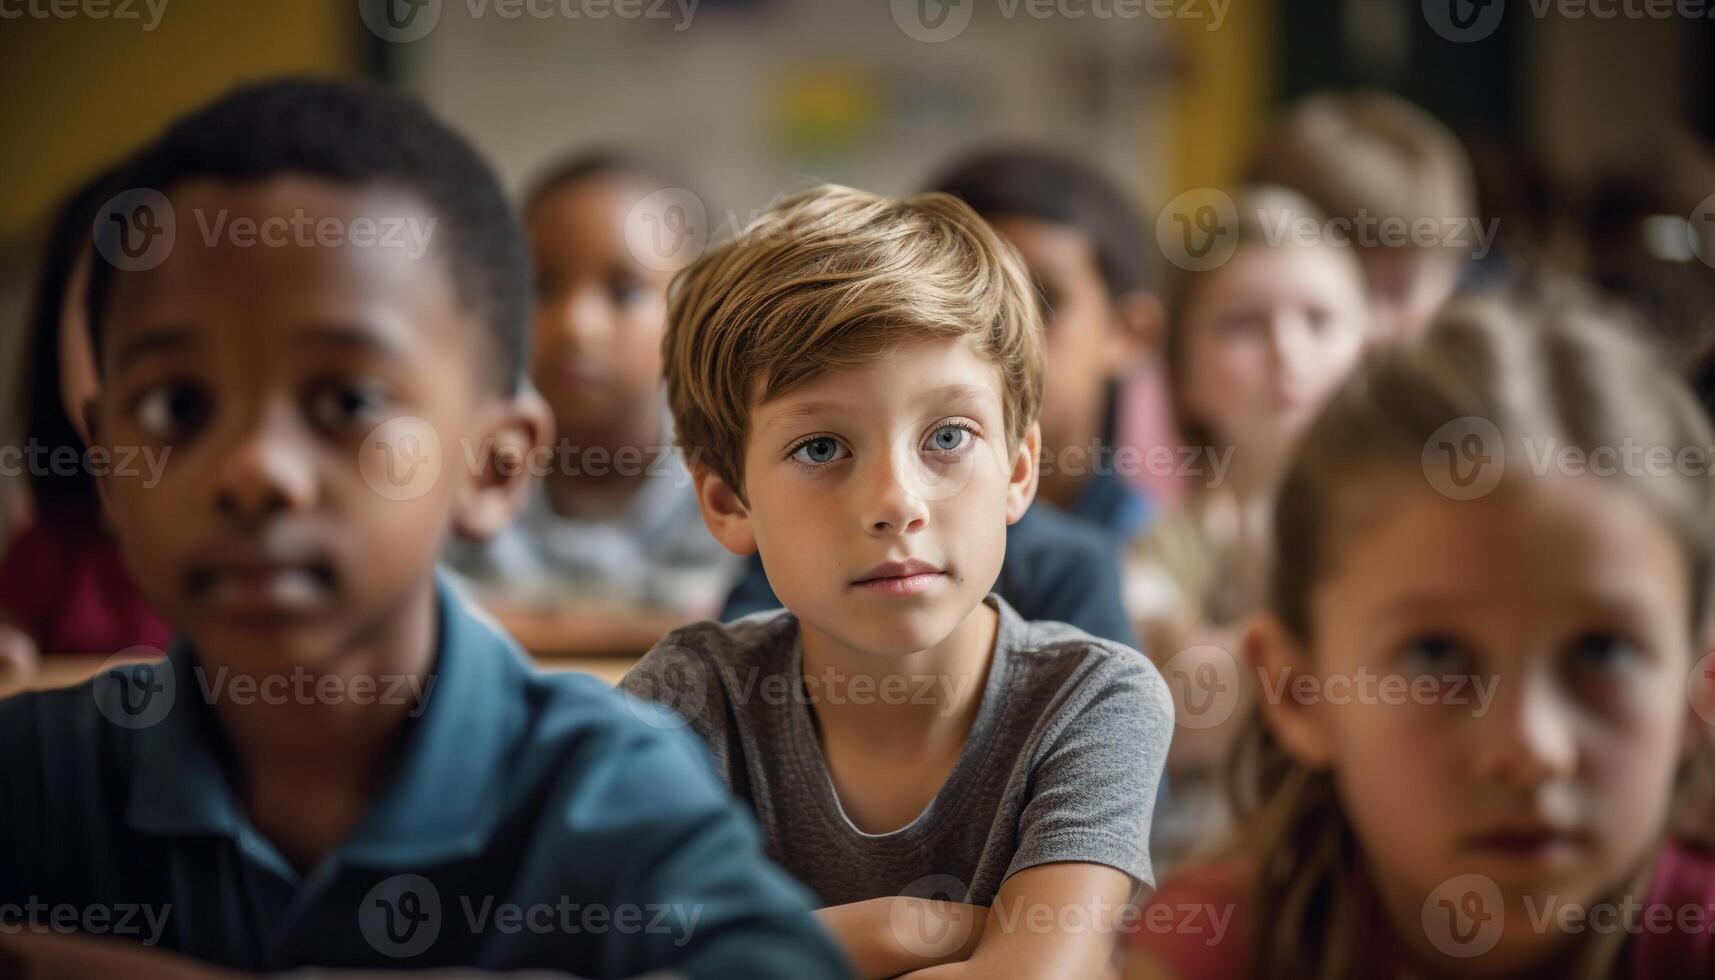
[
  {"x": 1263, "y": 216},
  {"x": 830, "y": 280},
  {"x": 1539, "y": 370}
]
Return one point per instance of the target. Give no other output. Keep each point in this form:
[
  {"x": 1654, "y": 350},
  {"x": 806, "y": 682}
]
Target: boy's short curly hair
[{"x": 830, "y": 280}]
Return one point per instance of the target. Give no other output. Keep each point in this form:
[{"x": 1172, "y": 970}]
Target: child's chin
[{"x": 903, "y": 634}]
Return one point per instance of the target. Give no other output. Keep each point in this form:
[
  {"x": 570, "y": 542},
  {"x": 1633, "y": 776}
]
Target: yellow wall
[
  {"x": 76, "y": 94},
  {"x": 1222, "y": 104}
]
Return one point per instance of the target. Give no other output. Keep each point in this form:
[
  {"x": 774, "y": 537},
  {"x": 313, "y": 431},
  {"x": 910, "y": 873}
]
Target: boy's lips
[
  {"x": 261, "y": 588},
  {"x": 900, "y": 579}
]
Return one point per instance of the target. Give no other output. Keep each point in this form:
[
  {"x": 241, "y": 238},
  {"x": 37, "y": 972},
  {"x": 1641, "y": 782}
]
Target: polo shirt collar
[{"x": 438, "y": 805}]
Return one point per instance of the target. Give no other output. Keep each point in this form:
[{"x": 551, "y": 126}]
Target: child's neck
[
  {"x": 888, "y": 755},
  {"x": 310, "y": 767},
  {"x": 592, "y": 489},
  {"x": 944, "y": 683}
]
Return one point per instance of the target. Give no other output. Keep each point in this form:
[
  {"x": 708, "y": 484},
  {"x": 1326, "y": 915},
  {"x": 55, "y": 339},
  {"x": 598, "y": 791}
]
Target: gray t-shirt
[{"x": 1061, "y": 764}]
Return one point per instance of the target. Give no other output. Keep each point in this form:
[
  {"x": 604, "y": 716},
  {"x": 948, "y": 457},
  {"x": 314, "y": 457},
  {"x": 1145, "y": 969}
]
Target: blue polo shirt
[{"x": 531, "y": 821}]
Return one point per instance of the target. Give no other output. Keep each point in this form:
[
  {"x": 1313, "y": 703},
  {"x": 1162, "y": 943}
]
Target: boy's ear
[
  {"x": 724, "y": 512},
  {"x": 1022, "y": 478},
  {"x": 1273, "y": 652},
  {"x": 513, "y": 430},
  {"x": 1140, "y": 326}
]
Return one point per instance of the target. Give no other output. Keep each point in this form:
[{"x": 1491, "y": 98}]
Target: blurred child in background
[
  {"x": 610, "y": 544},
  {"x": 63, "y": 587},
  {"x": 1544, "y": 621},
  {"x": 1381, "y": 167},
  {"x": 1090, "y": 260},
  {"x": 1254, "y": 347}
]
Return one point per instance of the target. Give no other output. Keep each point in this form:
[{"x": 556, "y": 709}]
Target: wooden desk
[{"x": 65, "y": 671}]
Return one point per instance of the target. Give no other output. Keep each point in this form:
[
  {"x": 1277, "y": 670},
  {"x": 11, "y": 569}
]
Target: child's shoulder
[
  {"x": 1669, "y": 945},
  {"x": 690, "y": 669},
  {"x": 766, "y": 640},
  {"x": 1051, "y": 654}
]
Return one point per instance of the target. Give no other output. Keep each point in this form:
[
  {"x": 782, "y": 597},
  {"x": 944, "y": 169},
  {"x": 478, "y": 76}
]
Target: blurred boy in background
[{"x": 610, "y": 549}]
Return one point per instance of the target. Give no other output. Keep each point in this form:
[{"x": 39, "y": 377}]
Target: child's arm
[
  {"x": 885, "y": 937},
  {"x": 18, "y": 655},
  {"x": 1052, "y": 920}
]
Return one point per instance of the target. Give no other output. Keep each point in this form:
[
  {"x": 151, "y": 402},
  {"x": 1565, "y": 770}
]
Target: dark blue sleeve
[
  {"x": 752, "y": 593},
  {"x": 20, "y": 793},
  {"x": 650, "y": 817},
  {"x": 1058, "y": 569}
]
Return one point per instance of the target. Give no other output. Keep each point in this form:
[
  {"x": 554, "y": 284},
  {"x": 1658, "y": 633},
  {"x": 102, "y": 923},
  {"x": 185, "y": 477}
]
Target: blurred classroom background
[{"x": 1579, "y": 125}]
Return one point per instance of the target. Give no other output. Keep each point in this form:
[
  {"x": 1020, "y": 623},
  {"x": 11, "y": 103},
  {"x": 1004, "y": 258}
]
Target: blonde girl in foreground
[{"x": 1477, "y": 748}]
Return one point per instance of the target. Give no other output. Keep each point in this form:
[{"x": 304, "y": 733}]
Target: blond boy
[{"x": 857, "y": 379}]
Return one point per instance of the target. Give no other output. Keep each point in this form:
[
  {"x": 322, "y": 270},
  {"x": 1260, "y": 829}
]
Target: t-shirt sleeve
[
  {"x": 20, "y": 792},
  {"x": 1096, "y": 777},
  {"x": 682, "y": 678}
]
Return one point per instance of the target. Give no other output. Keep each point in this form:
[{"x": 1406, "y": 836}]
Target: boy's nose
[
  {"x": 584, "y": 319},
  {"x": 266, "y": 471},
  {"x": 894, "y": 505}
]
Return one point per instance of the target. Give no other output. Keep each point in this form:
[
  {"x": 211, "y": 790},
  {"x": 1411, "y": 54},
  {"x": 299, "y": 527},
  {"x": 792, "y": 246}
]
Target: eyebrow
[
  {"x": 948, "y": 392},
  {"x": 152, "y": 343},
  {"x": 347, "y": 336},
  {"x": 339, "y": 336},
  {"x": 952, "y": 391}
]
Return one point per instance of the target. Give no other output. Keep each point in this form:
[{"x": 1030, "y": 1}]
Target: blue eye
[
  {"x": 1601, "y": 652},
  {"x": 817, "y": 451},
  {"x": 949, "y": 439}
]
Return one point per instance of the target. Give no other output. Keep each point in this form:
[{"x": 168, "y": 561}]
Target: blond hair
[
  {"x": 1574, "y": 373},
  {"x": 1370, "y": 154},
  {"x": 831, "y": 280}
]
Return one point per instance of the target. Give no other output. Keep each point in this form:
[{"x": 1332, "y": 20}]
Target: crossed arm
[{"x": 1052, "y": 920}]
